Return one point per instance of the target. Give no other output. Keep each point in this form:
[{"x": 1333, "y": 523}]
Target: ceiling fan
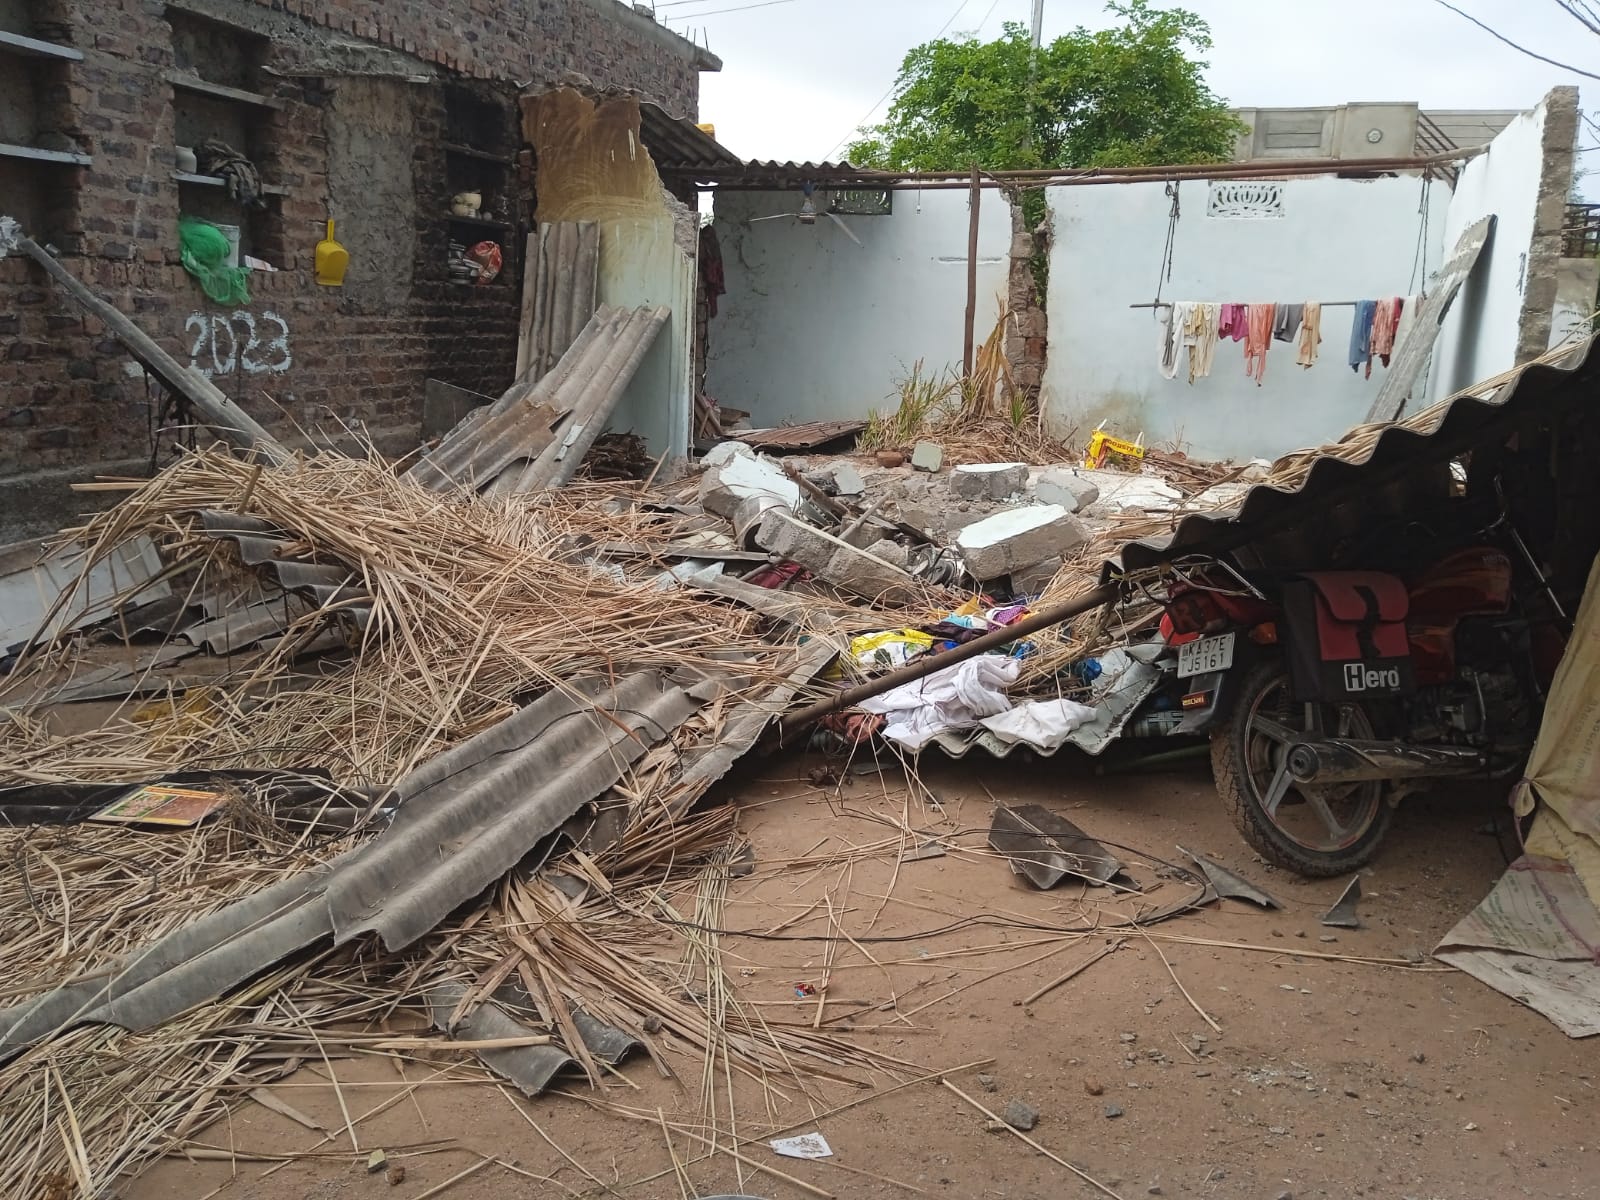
[{"x": 808, "y": 214}]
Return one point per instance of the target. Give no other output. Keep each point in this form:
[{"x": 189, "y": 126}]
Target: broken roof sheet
[
  {"x": 1371, "y": 455},
  {"x": 465, "y": 817}
]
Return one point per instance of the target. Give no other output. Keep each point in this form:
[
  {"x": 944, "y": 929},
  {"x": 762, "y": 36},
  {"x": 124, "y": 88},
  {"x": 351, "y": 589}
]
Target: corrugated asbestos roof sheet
[
  {"x": 678, "y": 145},
  {"x": 797, "y": 437},
  {"x": 1364, "y": 458},
  {"x": 465, "y": 818}
]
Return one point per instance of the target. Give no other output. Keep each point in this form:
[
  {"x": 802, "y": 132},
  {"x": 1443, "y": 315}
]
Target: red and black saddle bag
[{"x": 1347, "y": 636}]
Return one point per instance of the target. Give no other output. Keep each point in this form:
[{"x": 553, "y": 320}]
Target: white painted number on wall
[{"x": 220, "y": 345}]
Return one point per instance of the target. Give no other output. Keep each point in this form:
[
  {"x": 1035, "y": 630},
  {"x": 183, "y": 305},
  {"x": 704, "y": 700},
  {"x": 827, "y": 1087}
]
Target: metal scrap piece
[
  {"x": 1343, "y": 913},
  {"x": 1230, "y": 884},
  {"x": 1045, "y": 848}
]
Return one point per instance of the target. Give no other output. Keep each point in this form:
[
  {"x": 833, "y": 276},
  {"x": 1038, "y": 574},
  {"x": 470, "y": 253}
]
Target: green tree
[{"x": 1130, "y": 95}]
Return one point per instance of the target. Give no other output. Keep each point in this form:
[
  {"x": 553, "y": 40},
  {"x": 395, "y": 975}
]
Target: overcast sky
[{"x": 800, "y": 75}]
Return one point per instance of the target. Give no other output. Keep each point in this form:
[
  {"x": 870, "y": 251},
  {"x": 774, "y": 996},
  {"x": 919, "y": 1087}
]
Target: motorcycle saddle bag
[{"x": 1347, "y": 636}]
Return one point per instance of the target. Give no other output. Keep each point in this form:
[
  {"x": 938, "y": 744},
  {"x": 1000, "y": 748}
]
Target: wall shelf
[
  {"x": 267, "y": 189},
  {"x": 479, "y": 222},
  {"x": 482, "y": 155},
  {"x": 34, "y": 154},
  {"x": 16, "y": 43},
  {"x": 217, "y": 91}
]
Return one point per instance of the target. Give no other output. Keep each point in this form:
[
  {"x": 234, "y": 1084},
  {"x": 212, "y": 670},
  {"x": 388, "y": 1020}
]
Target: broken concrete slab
[
  {"x": 847, "y": 480},
  {"x": 834, "y": 560},
  {"x": 988, "y": 481},
  {"x": 735, "y": 473},
  {"x": 1019, "y": 537},
  {"x": 927, "y": 456},
  {"x": 1064, "y": 486}
]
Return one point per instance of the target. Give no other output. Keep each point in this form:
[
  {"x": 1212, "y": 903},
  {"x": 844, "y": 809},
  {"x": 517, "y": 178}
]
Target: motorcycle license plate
[{"x": 1205, "y": 654}]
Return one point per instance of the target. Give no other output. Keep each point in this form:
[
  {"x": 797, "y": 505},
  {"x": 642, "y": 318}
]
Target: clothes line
[{"x": 1325, "y": 304}]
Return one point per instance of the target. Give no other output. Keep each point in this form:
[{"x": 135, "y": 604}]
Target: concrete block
[
  {"x": 1018, "y": 538},
  {"x": 1064, "y": 486},
  {"x": 735, "y": 473},
  {"x": 890, "y": 552},
  {"x": 988, "y": 481},
  {"x": 927, "y": 456},
  {"x": 834, "y": 561},
  {"x": 847, "y": 480}
]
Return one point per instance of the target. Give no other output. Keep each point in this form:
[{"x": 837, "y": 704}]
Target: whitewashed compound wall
[
  {"x": 814, "y": 327},
  {"x": 1321, "y": 239},
  {"x": 1480, "y": 333}
]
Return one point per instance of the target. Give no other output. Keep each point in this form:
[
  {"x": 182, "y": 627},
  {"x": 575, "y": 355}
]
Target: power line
[
  {"x": 717, "y": 11},
  {"x": 890, "y": 91}
]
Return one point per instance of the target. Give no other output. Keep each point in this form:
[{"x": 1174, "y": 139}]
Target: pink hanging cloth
[{"x": 1258, "y": 339}]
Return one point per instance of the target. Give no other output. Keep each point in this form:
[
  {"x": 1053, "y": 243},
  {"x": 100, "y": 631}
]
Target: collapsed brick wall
[{"x": 367, "y": 149}]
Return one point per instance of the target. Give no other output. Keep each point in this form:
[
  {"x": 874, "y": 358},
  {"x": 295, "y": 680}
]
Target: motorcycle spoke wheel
[{"x": 1323, "y": 819}]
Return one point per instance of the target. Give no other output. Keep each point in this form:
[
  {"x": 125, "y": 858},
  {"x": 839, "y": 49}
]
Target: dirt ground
[{"x": 1313, "y": 1077}]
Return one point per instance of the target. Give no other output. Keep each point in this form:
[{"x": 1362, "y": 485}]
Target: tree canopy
[{"x": 1130, "y": 95}]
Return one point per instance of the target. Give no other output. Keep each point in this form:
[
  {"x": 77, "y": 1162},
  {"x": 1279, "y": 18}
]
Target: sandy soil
[{"x": 1321, "y": 1077}]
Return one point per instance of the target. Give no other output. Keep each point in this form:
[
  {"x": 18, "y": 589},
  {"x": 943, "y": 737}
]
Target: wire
[
  {"x": 866, "y": 116},
  {"x": 742, "y": 8}
]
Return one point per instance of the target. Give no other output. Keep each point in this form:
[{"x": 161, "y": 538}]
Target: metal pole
[
  {"x": 972, "y": 270},
  {"x": 1033, "y": 73},
  {"x": 1104, "y": 594}
]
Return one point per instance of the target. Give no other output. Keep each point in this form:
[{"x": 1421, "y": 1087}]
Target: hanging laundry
[
  {"x": 1258, "y": 340},
  {"x": 1233, "y": 322},
  {"x": 1287, "y": 322},
  {"x": 1200, "y": 336},
  {"x": 1170, "y": 322},
  {"x": 1310, "y": 333},
  {"x": 1386, "y": 327},
  {"x": 1361, "y": 336}
]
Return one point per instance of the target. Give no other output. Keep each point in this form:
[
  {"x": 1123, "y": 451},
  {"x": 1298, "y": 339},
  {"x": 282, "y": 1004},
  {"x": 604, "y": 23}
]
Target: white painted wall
[
  {"x": 814, "y": 327},
  {"x": 1479, "y": 337},
  {"x": 1577, "y": 287},
  {"x": 641, "y": 264},
  {"x": 1339, "y": 239}
]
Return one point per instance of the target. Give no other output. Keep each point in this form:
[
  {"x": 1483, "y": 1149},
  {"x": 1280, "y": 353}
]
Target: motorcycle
[{"x": 1328, "y": 695}]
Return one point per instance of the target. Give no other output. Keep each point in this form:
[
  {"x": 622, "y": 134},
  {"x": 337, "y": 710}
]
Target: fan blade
[
  {"x": 835, "y": 218},
  {"x": 773, "y": 217}
]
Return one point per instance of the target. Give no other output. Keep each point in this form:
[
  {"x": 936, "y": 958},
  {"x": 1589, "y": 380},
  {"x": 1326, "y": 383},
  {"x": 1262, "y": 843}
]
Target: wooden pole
[
  {"x": 972, "y": 271},
  {"x": 938, "y": 662},
  {"x": 222, "y": 415}
]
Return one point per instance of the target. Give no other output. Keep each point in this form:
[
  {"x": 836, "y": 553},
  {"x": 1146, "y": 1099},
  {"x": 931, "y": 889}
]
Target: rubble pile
[{"x": 320, "y": 671}]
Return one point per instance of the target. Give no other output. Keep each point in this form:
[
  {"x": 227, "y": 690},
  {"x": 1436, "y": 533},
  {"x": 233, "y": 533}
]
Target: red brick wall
[{"x": 68, "y": 403}]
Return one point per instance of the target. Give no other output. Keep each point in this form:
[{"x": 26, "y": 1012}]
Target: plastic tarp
[{"x": 1536, "y": 936}]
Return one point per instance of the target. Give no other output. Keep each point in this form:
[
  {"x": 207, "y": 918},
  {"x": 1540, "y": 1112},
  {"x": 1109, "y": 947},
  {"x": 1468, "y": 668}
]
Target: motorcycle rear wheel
[{"x": 1316, "y": 831}]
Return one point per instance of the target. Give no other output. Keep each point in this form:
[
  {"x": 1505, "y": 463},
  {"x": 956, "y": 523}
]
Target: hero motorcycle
[{"x": 1328, "y": 695}]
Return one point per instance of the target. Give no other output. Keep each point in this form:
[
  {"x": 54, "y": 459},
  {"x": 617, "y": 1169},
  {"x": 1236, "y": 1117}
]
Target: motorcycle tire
[{"x": 1241, "y": 792}]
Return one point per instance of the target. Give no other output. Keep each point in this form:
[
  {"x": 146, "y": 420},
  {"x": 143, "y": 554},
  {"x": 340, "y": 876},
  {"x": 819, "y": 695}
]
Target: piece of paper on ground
[
  {"x": 804, "y": 1145},
  {"x": 1534, "y": 938}
]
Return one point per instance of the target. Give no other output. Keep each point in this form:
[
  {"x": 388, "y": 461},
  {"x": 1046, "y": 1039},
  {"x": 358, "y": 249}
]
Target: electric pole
[{"x": 1033, "y": 71}]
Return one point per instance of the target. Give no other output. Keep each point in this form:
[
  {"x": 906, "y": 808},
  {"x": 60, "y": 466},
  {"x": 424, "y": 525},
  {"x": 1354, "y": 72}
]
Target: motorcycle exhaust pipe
[{"x": 1344, "y": 760}]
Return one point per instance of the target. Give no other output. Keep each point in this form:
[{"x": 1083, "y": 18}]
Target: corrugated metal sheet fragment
[{"x": 562, "y": 278}]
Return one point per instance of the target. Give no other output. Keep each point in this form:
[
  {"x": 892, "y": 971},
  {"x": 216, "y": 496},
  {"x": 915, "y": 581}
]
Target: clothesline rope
[{"x": 1325, "y": 304}]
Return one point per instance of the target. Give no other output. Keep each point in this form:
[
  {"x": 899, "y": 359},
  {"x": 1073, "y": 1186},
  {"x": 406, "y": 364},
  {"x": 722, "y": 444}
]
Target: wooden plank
[
  {"x": 16, "y": 43},
  {"x": 1411, "y": 359},
  {"x": 218, "y": 91},
  {"x": 225, "y": 418},
  {"x": 7, "y": 150}
]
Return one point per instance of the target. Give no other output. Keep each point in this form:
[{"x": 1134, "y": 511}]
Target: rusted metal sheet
[{"x": 795, "y": 438}]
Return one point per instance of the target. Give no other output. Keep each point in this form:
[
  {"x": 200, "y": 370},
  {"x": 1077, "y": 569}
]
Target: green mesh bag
[{"x": 204, "y": 251}]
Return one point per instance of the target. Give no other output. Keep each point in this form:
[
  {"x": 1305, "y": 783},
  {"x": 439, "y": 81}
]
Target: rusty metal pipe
[
  {"x": 938, "y": 662},
  {"x": 1344, "y": 760}
]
